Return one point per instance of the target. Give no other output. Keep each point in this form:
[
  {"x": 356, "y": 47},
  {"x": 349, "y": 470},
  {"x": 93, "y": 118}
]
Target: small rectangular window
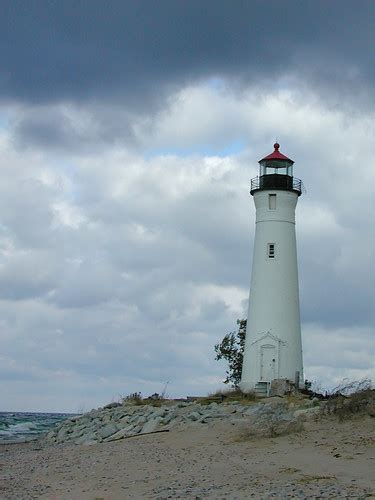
[
  {"x": 271, "y": 250},
  {"x": 272, "y": 201}
]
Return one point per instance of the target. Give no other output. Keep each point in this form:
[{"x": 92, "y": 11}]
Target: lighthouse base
[
  {"x": 276, "y": 387},
  {"x": 261, "y": 389}
]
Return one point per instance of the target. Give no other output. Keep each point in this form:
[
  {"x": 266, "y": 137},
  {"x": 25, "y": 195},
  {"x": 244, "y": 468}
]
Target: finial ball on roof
[{"x": 276, "y": 145}]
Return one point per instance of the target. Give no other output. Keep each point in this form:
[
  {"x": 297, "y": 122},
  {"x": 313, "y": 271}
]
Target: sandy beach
[{"x": 328, "y": 459}]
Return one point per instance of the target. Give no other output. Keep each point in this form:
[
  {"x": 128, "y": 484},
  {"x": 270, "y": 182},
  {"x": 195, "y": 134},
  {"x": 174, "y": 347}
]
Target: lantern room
[{"x": 276, "y": 173}]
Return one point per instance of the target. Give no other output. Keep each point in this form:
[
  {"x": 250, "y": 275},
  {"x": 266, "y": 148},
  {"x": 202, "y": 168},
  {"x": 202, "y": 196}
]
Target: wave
[
  {"x": 24, "y": 426},
  {"x": 21, "y": 427},
  {"x": 21, "y": 431}
]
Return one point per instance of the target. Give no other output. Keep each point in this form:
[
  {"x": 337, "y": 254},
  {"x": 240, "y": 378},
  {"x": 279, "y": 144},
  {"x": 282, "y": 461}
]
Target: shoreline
[
  {"x": 5, "y": 443},
  {"x": 220, "y": 460}
]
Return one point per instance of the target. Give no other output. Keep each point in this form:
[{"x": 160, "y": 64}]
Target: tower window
[
  {"x": 271, "y": 250},
  {"x": 272, "y": 201}
]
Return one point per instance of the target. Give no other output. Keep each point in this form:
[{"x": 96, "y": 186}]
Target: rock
[
  {"x": 160, "y": 412},
  {"x": 107, "y": 430},
  {"x": 123, "y": 422},
  {"x": 204, "y": 419},
  {"x": 97, "y": 422},
  {"x": 62, "y": 434},
  {"x": 174, "y": 422},
  {"x": 253, "y": 410},
  {"x": 307, "y": 413},
  {"x": 86, "y": 439},
  {"x": 151, "y": 425},
  {"x": 165, "y": 420},
  {"x": 276, "y": 401},
  {"x": 140, "y": 421},
  {"x": 215, "y": 415},
  {"x": 112, "y": 405},
  {"x": 279, "y": 387},
  {"x": 120, "y": 413},
  {"x": 116, "y": 421},
  {"x": 75, "y": 419},
  {"x": 194, "y": 416},
  {"x": 127, "y": 431},
  {"x": 77, "y": 433},
  {"x": 50, "y": 435}
]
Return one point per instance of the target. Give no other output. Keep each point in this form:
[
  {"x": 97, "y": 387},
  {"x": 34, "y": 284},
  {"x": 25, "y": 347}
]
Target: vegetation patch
[
  {"x": 228, "y": 396},
  {"x": 137, "y": 399},
  {"x": 355, "y": 398},
  {"x": 313, "y": 479}
]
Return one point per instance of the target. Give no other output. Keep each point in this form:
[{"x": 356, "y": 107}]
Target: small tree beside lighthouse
[
  {"x": 273, "y": 347},
  {"x": 231, "y": 349}
]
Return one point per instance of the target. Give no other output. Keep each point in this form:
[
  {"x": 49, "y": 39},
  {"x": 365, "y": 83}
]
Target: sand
[{"x": 329, "y": 459}]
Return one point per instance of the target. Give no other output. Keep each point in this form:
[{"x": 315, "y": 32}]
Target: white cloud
[
  {"x": 121, "y": 269},
  {"x": 334, "y": 354}
]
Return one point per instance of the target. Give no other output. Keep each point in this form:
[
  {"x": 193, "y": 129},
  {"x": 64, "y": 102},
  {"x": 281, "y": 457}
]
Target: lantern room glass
[{"x": 276, "y": 167}]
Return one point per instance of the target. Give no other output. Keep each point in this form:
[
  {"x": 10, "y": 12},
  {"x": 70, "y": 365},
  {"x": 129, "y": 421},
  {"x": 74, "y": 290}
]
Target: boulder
[
  {"x": 167, "y": 418},
  {"x": 279, "y": 387},
  {"x": 86, "y": 439},
  {"x": 62, "y": 434},
  {"x": 194, "y": 416},
  {"x": 141, "y": 420},
  {"x": 112, "y": 405},
  {"x": 107, "y": 430},
  {"x": 159, "y": 412},
  {"x": 123, "y": 422},
  {"x": 151, "y": 425},
  {"x": 50, "y": 435},
  {"x": 126, "y": 431}
]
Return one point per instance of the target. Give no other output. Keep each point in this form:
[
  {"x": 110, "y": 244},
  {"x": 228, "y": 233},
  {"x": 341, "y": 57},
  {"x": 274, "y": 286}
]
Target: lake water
[{"x": 21, "y": 427}]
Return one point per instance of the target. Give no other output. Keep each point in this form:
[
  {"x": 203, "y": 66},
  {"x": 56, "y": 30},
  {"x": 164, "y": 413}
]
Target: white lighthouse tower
[{"x": 273, "y": 347}]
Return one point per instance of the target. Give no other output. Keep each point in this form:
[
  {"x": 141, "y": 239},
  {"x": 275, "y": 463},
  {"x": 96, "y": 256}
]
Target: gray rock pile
[{"x": 118, "y": 421}]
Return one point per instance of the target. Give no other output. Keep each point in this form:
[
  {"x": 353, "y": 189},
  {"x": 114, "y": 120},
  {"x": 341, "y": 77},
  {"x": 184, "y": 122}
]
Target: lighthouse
[{"x": 273, "y": 347}]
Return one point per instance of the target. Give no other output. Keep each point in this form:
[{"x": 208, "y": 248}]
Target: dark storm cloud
[
  {"x": 48, "y": 127},
  {"x": 64, "y": 128},
  {"x": 76, "y": 50}
]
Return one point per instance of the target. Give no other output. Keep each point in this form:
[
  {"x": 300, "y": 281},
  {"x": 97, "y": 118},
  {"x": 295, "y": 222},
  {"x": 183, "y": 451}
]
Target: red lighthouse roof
[{"x": 276, "y": 155}]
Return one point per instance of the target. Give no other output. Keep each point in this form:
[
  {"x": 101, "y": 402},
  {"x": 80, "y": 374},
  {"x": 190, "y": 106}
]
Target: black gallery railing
[{"x": 277, "y": 181}]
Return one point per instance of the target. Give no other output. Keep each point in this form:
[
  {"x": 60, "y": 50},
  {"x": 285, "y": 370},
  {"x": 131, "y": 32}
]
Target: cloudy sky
[{"x": 129, "y": 131}]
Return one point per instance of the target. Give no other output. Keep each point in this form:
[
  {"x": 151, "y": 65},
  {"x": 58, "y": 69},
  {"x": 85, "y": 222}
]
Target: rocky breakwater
[{"x": 118, "y": 421}]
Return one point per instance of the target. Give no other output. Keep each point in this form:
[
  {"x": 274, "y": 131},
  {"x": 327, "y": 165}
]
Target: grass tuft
[
  {"x": 229, "y": 395},
  {"x": 354, "y": 398},
  {"x": 136, "y": 399}
]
